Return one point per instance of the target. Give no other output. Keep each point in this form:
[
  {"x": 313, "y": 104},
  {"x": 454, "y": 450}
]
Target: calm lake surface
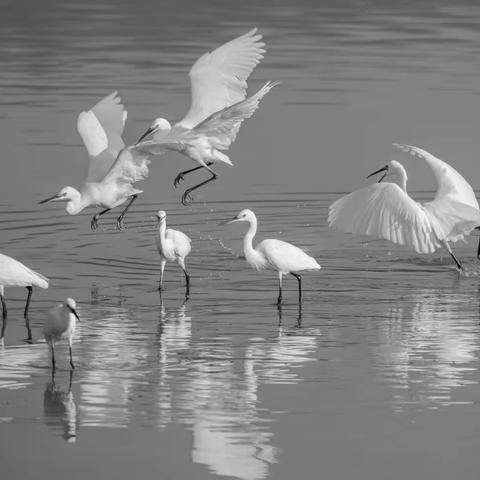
[{"x": 376, "y": 377}]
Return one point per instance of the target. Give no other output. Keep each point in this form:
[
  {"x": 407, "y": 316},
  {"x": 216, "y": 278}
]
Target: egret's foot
[
  {"x": 94, "y": 223},
  {"x": 187, "y": 198},
  {"x": 179, "y": 178},
  {"x": 120, "y": 225}
]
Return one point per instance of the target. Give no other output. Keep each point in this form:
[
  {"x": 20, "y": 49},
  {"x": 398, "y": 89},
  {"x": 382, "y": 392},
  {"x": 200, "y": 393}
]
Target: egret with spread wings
[
  {"x": 385, "y": 210},
  {"x": 218, "y": 107},
  {"x": 113, "y": 168}
]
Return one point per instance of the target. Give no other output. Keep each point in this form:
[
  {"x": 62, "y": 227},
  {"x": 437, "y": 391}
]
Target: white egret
[
  {"x": 60, "y": 325},
  {"x": 275, "y": 254},
  {"x": 385, "y": 210},
  {"x": 16, "y": 274},
  {"x": 218, "y": 107},
  {"x": 172, "y": 246},
  {"x": 113, "y": 168}
]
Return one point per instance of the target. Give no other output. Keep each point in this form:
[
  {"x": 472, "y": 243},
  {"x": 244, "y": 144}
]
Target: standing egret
[
  {"x": 172, "y": 246},
  {"x": 218, "y": 81},
  {"x": 16, "y": 274},
  {"x": 113, "y": 168},
  {"x": 59, "y": 325},
  {"x": 385, "y": 210},
  {"x": 276, "y": 254}
]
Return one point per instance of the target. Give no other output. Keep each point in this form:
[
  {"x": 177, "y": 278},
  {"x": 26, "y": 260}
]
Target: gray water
[{"x": 377, "y": 376}]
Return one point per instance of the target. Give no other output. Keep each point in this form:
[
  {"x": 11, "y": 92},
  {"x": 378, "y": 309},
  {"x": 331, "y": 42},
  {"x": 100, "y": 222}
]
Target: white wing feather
[
  {"x": 218, "y": 78},
  {"x": 286, "y": 257},
  {"x": 16, "y": 274}
]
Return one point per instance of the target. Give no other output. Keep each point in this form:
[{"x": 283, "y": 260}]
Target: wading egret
[
  {"x": 16, "y": 274},
  {"x": 59, "y": 325},
  {"x": 172, "y": 246},
  {"x": 218, "y": 81},
  {"x": 385, "y": 210},
  {"x": 113, "y": 168},
  {"x": 274, "y": 254}
]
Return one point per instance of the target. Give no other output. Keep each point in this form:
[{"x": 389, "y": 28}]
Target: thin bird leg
[
  {"x": 25, "y": 314},
  {"x": 447, "y": 246},
  {"x": 71, "y": 359},
  {"x": 180, "y": 178},
  {"x": 70, "y": 382},
  {"x": 120, "y": 225},
  {"x": 94, "y": 222},
  {"x": 187, "y": 288},
  {"x": 187, "y": 198},
  {"x": 162, "y": 268},
  {"x": 4, "y": 318},
  {"x": 478, "y": 248},
  {"x": 279, "y": 299},
  {"x": 53, "y": 356},
  {"x": 299, "y": 278}
]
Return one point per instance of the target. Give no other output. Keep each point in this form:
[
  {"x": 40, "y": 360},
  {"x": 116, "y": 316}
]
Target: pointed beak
[
  {"x": 146, "y": 134},
  {"x": 383, "y": 169},
  {"x": 54, "y": 197},
  {"x": 230, "y": 220},
  {"x": 74, "y": 312}
]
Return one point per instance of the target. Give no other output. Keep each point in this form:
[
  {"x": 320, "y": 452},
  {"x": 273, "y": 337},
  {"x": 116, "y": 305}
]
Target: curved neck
[
  {"x": 162, "y": 228},
  {"x": 248, "y": 239},
  {"x": 75, "y": 204},
  {"x": 402, "y": 173}
]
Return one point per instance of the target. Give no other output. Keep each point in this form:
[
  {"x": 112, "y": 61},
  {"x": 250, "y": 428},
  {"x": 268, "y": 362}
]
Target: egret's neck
[
  {"x": 162, "y": 228},
  {"x": 402, "y": 179},
  {"x": 75, "y": 204},
  {"x": 251, "y": 255}
]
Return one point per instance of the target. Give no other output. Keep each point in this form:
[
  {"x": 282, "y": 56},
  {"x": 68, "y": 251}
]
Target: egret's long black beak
[
  {"x": 383, "y": 169},
  {"x": 74, "y": 312},
  {"x": 230, "y": 220},
  {"x": 53, "y": 197},
  {"x": 146, "y": 134}
]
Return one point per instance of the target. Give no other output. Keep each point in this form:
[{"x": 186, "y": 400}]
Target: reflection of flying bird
[
  {"x": 385, "y": 210},
  {"x": 113, "y": 168},
  {"x": 16, "y": 274},
  {"x": 218, "y": 107},
  {"x": 276, "y": 254},
  {"x": 60, "y": 325},
  {"x": 173, "y": 246}
]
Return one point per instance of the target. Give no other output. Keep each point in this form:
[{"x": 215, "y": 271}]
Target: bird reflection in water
[
  {"x": 299, "y": 317},
  {"x": 59, "y": 408}
]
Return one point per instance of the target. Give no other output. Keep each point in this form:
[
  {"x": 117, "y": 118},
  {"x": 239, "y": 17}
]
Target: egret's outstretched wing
[
  {"x": 384, "y": 210},
  {"x": 219, "y": 78},
  {"x": 451, "y": 184},
  {"x": 101, "y": 130},
  {"x": 222, "y": 127},
  {"x": 176, "y": 139}
]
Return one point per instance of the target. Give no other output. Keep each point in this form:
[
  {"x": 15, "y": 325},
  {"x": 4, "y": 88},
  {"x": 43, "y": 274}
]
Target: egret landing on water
[
  {"x": 60, "y": 325},
  {"x": 113, "y": 168},
  {"x": 172, "y": 246},
  {"x": 275, "y": 254},
  {"x": 16, "y": 274},
  {"x": 385, "y": 210},
  {"x": 218, "y": 107}
]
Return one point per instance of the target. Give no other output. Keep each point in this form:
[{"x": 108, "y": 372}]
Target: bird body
[
  {"x": 274, "y": 254},
  {"x": 15, "y": 274}
]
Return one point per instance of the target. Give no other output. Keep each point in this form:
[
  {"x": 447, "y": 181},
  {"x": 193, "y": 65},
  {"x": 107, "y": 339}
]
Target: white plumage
[
  {"x": 59, "y": 325},
  {"x": 15, "y": 274},
  {"x": 275, "y": 254},
  {"x": 385, "y": 210},
  {"x": 113, "y": 169},
  {"x": 173, "y": 246},
  {"x": 218, "y": 107}
]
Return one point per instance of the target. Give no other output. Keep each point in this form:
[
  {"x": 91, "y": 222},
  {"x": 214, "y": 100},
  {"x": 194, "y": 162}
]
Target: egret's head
[
  {"x": 391, "y": 168},
  {"x": 71, "y": 306},
  {"x": 161, "y": 215},
  {"x": 158, "y": 125},
  {"x": 66, "y": 193},
  {"x": 244, "y": 216}
]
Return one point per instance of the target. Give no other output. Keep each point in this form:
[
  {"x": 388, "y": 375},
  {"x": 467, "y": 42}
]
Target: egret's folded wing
[
  {"x": 451, "y": 184},
  {"x": 384, "y": 210},
  {"x": 218, "y": 78},
  {"x": 222, "y": 127},
  {"x": 130, "y": 166},
  {"x": 101, "y": 130}
]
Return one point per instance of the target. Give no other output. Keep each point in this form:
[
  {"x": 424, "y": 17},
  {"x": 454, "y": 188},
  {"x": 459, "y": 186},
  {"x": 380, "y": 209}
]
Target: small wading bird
[
  {"x": 385, "y": 210},
  {"x": 218, "y": 107},
  {"x": 16, "y": 274},
  {"x": 60, "y": 325},
  {"x": 113, "y": 168},
  {"x": 172, "y": 246},
  {"x": 274, "y": 254}
]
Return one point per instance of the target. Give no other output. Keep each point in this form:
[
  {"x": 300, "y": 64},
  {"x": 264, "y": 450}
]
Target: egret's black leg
[
  {"x": 187, "y": 280},
  {"x": 187, "y": 198},
  {"x": 25, "y": 314},
  {"x": 53, "y": 357},
  {"x": 279, "y": 299},
  {"x": 71, "y": 359},
  {"x": 4, "y": 318},
  {"x": 70, "y": 381},
  {"x": 299, "y": 279},
  {"x": 94, "y": 222},
  {"x": 179, "y": 177},
  {"x": 120, "y": 225},
  {"x": 478, "y": 248},
  {"x": 459, "y": 266}
]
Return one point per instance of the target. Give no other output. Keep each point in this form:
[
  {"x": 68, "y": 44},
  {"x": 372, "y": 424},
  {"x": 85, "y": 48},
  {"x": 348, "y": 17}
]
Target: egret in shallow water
[
  {"x": 275, "y": 254},
  {"x": 218, "y": 107},
  {"x": 16, "y": 274},
  {"x": 113, "y": 169},
  {"x": 60, "y": 325},
  {"x": 172, "y": 246},
  {"x": 385, "y": 210}
]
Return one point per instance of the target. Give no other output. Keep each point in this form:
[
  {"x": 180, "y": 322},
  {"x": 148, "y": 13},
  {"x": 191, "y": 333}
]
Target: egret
[
  {"x": 113, "y": 168},
  {"x": 59, "y": 325},
  {"x": 218, "y": 107},
  {"x": 275, "y": 254},
  {"x": 172, "y": 246},
  {"x": 16, "y": 274},
  {"x": 385, "y": 210}
]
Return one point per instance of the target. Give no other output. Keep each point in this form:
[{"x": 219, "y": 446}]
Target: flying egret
[
  {"x": 113, "y": 168},
  {"x": 59, "y": 325},
  {"x": 172, "y": 246},
  {"x": 218, "y": 81},
  {"x": 16, "y": 274},
  {"x": 275, "y": 254},
  {"x": 385, "y": 210}
]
